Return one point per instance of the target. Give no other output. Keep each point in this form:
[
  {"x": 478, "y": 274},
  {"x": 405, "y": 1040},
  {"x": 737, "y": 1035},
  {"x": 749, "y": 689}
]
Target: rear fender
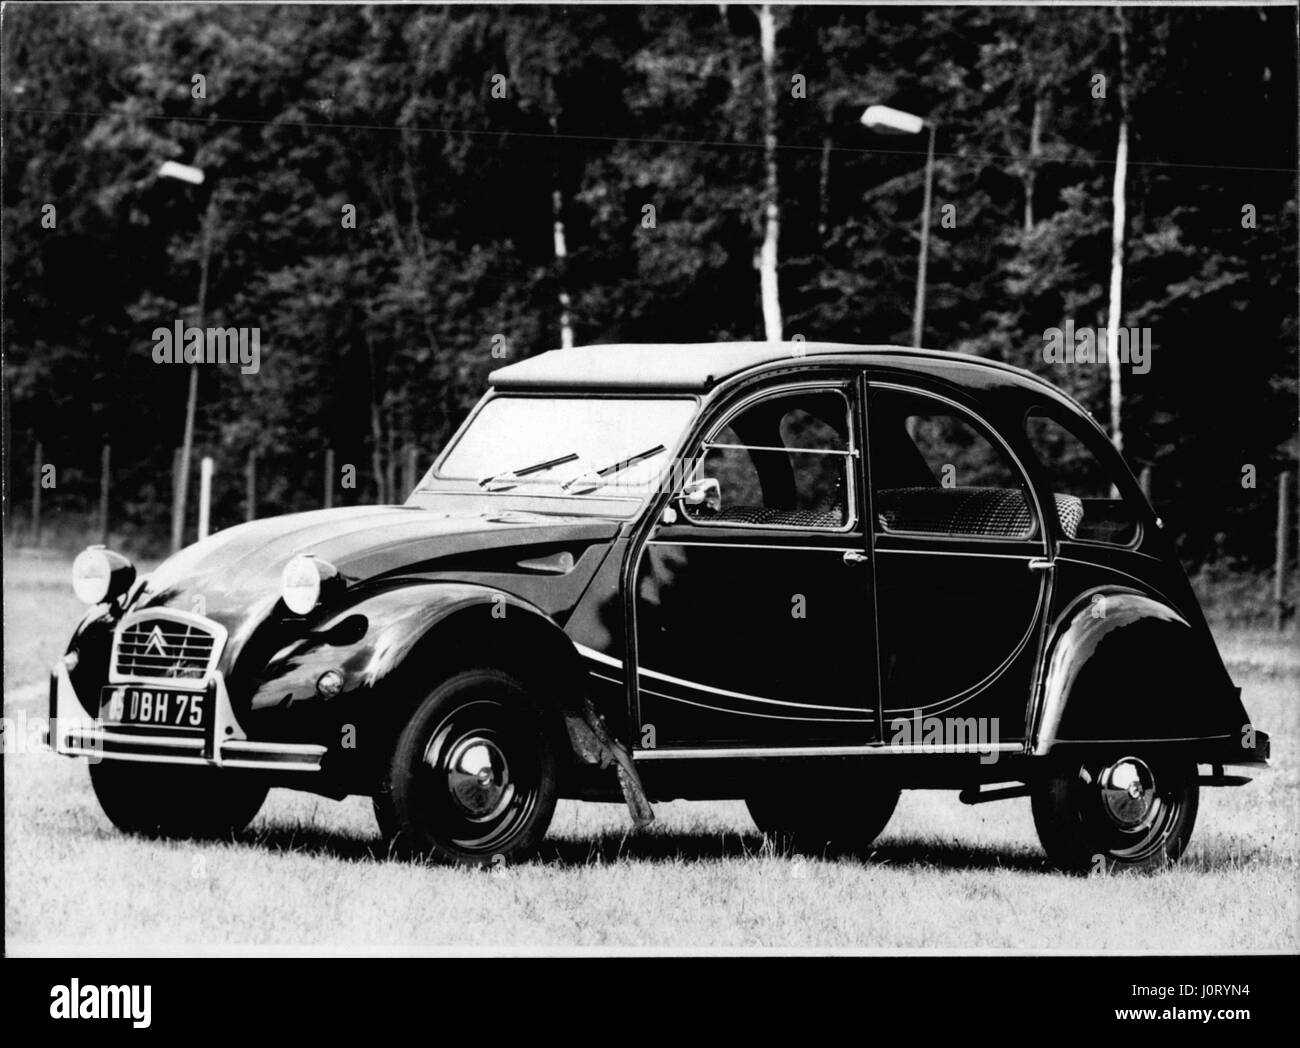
[{"x": 1123, "y": 668}]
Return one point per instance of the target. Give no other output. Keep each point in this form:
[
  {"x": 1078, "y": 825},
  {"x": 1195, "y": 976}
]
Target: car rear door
[{"x": 962, "y": 571}]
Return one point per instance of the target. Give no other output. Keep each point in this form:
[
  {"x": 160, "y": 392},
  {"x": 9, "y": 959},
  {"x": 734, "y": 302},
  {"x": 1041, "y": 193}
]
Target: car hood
[{"x": 235, "y": 573}]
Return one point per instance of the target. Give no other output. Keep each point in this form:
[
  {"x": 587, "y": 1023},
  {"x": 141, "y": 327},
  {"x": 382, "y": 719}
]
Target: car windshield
[{"x": 527, "y": 443}]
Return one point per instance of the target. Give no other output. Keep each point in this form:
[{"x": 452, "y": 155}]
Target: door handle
[
  {"x": 852, "y": 557},
  {"x": 1040, "y": 564}
]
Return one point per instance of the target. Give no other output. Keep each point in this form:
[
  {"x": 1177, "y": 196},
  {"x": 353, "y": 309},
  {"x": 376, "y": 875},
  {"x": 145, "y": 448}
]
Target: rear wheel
[
  {"x": 169, "y": 800},
  {"x": 472, "y": 779},
  {"x": 819, "y": 812},
  {"x": 1133, "y": 813}
]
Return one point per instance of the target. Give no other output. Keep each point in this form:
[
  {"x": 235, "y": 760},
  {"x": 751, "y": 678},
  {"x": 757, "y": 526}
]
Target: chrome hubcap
[
  {"x": 1128, "y": 792},
  {"x": 478, "y": 777}
]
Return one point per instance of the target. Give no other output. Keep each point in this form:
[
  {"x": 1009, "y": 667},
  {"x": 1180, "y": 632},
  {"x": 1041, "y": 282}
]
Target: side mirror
[{"x": 703, "y": 493}]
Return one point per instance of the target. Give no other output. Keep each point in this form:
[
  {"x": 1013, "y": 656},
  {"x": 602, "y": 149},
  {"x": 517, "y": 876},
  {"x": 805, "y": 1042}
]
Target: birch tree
[
  {"x": 1117, "y": 239},
  {"x": 767, "y": 258}
]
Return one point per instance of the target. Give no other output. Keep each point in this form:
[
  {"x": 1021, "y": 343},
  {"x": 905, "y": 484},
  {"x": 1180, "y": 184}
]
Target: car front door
[
  {"x": 962, "y": 573},
  {"x": 753, "y": 609}
]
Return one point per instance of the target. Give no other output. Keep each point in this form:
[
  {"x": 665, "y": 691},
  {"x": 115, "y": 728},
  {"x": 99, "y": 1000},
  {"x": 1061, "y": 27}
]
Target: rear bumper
[
  {"x": 1249, "y": 748},
  {"x": 221, "y": 743},
  {"x": 1253, "y": 747}
]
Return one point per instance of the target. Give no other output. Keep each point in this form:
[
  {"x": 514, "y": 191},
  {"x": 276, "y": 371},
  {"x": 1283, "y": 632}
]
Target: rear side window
[
  {"x": 1087, "y": 498},
  {"x": 936, "y": 471}
]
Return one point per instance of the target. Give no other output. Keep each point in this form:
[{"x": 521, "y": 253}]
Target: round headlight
[
  {"x": 301, "y": 583},
  {"x": 100, "y": 575}
]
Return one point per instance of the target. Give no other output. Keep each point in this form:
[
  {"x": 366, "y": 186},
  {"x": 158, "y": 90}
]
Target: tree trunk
[
  {"x": 561, "y": 252},
  {"x": 767, "y": 260},
  {"x": 1117, "y": 246},
  {"x": 1035, "y": 147},
  {"x": 390, "y": 458},
  {"x": 824, "y": 186},
  {"x": 376, "y": 429}
]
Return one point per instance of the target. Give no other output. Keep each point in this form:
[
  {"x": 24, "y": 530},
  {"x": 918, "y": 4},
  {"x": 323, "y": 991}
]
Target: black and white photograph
[{"x": 652, "y": 480}]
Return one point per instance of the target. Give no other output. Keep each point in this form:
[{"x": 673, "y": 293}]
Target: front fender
[
  {"x": 369, "y": 640},
  {"x": 1123, "y": 667}
]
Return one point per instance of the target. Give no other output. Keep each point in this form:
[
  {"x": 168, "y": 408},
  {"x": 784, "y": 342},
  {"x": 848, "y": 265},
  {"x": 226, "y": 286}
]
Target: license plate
[{"x": 156, "y": 706}]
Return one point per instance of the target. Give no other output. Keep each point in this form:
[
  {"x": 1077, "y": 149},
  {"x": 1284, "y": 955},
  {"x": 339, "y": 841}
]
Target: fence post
[
  {"x": 250, "y": 486},
  {"x": 36, "y": 494},
  {"x": 411, "y": 477},
  {"x": 329, "y": 478},
  {"x": 205, "y": 494},
  {"x": 178, "y": 515},
  {"x": 1279, "y": 566},
  {"x": 104, "y": 459}
]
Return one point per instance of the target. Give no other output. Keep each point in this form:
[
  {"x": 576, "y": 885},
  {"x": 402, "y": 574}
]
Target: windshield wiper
[
  {"x": 536, "y": 467},
  {"x": 596, "y": 477}
]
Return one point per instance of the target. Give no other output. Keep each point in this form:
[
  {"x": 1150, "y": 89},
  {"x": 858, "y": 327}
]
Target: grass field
[{"x": 943, "y": 876}]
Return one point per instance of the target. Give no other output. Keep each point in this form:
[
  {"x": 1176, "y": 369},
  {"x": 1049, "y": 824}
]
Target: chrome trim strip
[
  {"x": 273, "y": 765},
  {"x": 598, "y": 656},
  {"x": 824, "y": 751},
  {"x": 743, "y": 696},
  {"x": 777, "y": 545},
  {"x": 305, "y": 749},
  {"x": 851, "y": 453},
  {"x": 867, "y": 716},
  {"x": 682, "y": 682},
  {"x": 956, "y": 553},
  {"x": 107, "y": 735}
]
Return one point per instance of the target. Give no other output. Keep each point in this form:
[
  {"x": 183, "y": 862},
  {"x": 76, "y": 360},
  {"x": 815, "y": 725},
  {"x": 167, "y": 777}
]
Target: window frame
[
  {"x": 844, "y": 388},
  {"x": 470, "y": 484},
  {"x": 1045, "y": 475},
  {"x": 1038, "y": 532}
]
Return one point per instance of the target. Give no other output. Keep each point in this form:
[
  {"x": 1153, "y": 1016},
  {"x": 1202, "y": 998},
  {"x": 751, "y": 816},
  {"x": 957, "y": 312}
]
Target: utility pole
[
  {"x": 918, "y": 312},
  {"x": 187, "y": 445}
]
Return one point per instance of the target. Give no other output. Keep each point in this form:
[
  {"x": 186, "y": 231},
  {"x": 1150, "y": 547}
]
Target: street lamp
[
  {"x": 887, "y": 121},
  {"x": 194, "y": 176}
]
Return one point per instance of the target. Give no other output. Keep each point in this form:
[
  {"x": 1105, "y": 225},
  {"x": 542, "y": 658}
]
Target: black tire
[
  {"x": 472, "y": 779},
  {"x": 169, "y": 800},
  {"x": 823, "y": 813},
  {"x": 1136, "y": 813}
]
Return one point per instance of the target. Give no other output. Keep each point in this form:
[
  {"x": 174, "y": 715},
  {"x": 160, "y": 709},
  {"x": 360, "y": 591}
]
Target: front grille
[{"x": 156, "y": 647}]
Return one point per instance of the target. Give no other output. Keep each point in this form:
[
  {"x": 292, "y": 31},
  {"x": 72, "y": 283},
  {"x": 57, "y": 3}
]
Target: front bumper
[{"x": 220, "y": 743}]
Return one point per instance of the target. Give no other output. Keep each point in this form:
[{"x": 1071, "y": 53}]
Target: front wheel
[
  {"x": 169, "y": 800},
  {"x": 1134, "y": 813},
  {"x": 472, "y": 779}
]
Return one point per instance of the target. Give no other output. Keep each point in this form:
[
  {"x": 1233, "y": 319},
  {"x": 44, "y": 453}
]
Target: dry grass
[{"x": 943, "y": 876}]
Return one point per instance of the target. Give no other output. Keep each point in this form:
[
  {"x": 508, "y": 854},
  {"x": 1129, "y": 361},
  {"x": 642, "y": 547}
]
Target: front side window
[
  {"x": 936, "y": 472},
  {"x": 782, "y": 462},
  {"x": 1086, "y": 496},
  {"x": 576, "y": 446}
]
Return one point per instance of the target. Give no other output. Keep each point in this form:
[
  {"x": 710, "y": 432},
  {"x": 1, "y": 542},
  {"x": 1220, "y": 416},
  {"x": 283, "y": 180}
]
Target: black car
[{"x": 807, "y": 575}]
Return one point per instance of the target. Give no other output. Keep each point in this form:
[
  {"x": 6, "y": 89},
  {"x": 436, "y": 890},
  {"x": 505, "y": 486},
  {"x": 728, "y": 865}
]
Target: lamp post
[
  {"x": 887, "y": 121},
  {"x": 194, "y": 176}
]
